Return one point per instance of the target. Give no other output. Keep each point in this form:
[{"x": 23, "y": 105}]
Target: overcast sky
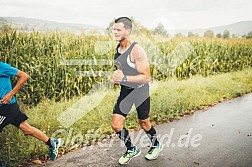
[{"x": 174, "y": 14}]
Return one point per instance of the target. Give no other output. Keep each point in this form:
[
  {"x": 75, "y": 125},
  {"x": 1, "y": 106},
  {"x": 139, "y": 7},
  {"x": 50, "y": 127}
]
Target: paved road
[{"x": 220, "y": 136}]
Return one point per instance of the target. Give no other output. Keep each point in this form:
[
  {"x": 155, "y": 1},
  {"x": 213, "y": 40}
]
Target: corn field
[{"x": 41, "y": 56}]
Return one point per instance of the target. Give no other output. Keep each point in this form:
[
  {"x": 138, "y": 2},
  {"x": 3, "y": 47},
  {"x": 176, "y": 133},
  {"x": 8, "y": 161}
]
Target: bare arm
[
  {"x": 22, "y": 79},
  {"x": 139, "y": 56}
]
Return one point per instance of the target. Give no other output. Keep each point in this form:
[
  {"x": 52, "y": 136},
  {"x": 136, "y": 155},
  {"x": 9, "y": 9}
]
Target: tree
[
  {"x": 179, "y": 35},
  {"x": 5, "y": 28},
  {"x": 160, "y": 30},
  {"x": 226, "y": 34},
  {"x": 196, "y": 35},
  {"x": 244, "y": 36},
  {"x": 209, "y": 34},
  {"x": 219, "y": 35},
  {"x": 110, "y": 27},
  {"x": 249, "y": 35},
  {"x": 190, "y": 34}
]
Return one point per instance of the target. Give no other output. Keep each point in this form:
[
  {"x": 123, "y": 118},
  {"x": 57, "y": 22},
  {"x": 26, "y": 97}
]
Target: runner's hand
[
  {"x": 118, "y": 76},
  {"x": 6, "y": 99}
]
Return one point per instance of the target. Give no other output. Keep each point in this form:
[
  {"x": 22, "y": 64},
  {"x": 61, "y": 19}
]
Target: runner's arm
[
  {"x": 22, "y": 79},
  {"x": 139, "y": 56}
]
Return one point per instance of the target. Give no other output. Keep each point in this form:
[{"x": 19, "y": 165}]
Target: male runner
[{"x": 133, "y": 74}]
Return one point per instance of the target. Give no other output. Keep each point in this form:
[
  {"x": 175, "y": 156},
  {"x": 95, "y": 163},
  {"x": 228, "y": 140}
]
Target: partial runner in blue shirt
[{"x": 10, "y": 112}]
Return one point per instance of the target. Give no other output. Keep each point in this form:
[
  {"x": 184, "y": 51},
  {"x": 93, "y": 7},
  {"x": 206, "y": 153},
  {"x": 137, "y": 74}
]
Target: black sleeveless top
[{"x": 124, "y": 63}]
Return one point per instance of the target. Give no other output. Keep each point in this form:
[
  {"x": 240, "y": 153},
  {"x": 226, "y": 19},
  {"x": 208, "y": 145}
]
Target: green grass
[{"x": 171, "y": 99}]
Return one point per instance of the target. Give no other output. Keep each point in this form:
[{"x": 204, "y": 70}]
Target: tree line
[{"x": 158, "y": 30}]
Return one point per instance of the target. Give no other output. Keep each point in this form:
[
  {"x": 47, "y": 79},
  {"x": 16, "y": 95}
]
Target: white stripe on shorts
[{"x": 2, "y": 118}]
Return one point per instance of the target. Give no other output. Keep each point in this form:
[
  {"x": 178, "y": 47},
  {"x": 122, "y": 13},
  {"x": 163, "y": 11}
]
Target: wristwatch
[{"x": 124, "y": 78}]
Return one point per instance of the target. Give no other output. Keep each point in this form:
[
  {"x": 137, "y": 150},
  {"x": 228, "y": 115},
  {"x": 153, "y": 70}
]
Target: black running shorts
[
  {"x": 138, "y": 96},
  {"x": 11, "y": 114}
]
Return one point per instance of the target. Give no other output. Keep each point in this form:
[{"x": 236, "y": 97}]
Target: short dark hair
[{"x": 126, "y": 21}]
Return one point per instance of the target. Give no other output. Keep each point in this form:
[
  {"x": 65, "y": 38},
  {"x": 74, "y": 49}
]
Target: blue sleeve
[{"x": 7, "y": 71}]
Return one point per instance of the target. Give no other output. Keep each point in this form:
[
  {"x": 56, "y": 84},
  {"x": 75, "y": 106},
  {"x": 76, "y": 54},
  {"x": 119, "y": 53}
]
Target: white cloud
[{"x": 180, "y": 13}]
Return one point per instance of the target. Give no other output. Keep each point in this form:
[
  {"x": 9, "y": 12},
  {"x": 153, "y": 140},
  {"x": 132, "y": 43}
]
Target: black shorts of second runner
[
  {"x": 11, "y": 114},
  {"x": 139, "y": 97}
]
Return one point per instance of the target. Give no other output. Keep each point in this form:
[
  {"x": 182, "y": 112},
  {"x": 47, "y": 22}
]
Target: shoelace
[
  {"x": 127, "y": 153},
  {"x": 151, "y": 150}
]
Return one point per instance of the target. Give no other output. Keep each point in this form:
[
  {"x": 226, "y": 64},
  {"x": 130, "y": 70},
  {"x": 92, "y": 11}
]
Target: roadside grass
[{"x": 171, "y": 100}]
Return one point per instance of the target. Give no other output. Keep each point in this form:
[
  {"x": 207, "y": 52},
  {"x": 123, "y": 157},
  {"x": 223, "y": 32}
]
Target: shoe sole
[
  {"x": 157, "y": 154},
  {"x": 132, "y": 158}
]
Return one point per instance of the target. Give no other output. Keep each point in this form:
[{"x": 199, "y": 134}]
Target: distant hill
[
  {"x": 239, "y": 29},
  {"x": 28, "y": 24}
]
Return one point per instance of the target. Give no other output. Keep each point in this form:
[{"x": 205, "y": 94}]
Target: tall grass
[{"x": 41, "y": 56}]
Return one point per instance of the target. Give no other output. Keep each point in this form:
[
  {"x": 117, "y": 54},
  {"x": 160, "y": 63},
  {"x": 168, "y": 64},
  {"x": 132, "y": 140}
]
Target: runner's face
[{"x": 120, "y": 32}]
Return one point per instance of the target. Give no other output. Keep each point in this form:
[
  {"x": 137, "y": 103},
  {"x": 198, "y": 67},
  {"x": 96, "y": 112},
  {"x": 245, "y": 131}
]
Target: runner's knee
[
  {"x": 145, "y": 125},
  {"x": 116, "y": 126}
]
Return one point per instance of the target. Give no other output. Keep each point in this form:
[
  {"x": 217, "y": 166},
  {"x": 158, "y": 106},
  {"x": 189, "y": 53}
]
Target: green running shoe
[
  {"x": 55, "y": 149},
  {"x": 129, "y": 155},
  {"x": 154, "y": 152}
]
